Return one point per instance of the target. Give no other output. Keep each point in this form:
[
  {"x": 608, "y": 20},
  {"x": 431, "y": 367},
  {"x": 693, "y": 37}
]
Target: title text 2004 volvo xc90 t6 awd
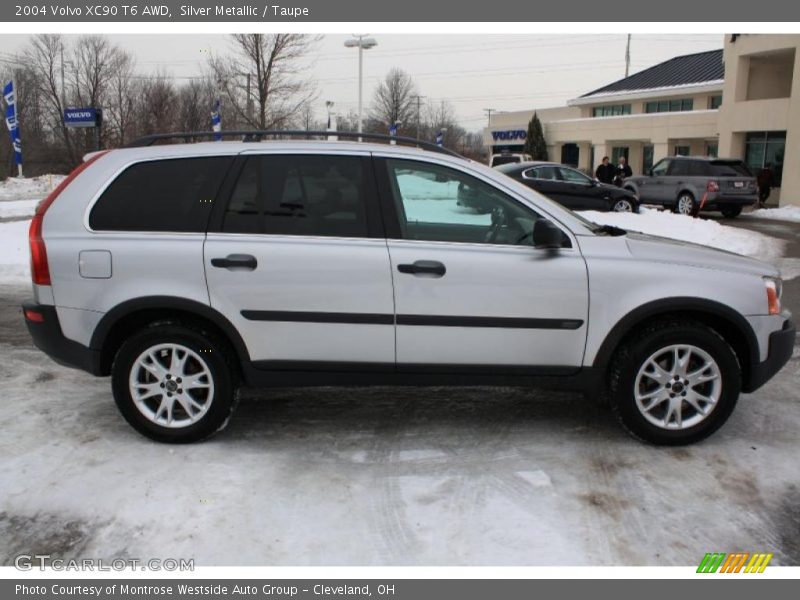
[{"x": 187, "y": 270}]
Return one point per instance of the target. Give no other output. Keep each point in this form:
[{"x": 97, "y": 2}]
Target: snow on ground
[
  {"x": 384, "y": 476},
  {"x": 26, "y": 188},
  {"x": 784, "y": 213},
  {"x": 13, "y": 209},
  {"x": 699, "y": 231},
  {"x": 14, "y": 253}
]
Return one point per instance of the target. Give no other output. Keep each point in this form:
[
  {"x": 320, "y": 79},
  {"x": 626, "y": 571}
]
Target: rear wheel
[
  {"x": 174, "y": 384},
  {"x": 622, "y": 205},
  {"x": 730, "y": 212},
  {"x": 674, "y": 383},
  {"x": 686, "y": 205}
]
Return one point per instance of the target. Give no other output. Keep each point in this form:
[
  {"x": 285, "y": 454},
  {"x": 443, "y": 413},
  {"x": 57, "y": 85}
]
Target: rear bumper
[
  {"x": 715, "y": 200},
  {"x": 43, "y": 325},
  {"x": 781, "y": 346}
]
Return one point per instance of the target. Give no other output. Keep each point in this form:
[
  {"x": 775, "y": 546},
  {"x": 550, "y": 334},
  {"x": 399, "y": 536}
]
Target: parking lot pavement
[{"x": 394, "y": 476}]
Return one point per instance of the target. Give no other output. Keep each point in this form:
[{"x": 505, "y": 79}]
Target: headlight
[{"x": 774, "y": 287}]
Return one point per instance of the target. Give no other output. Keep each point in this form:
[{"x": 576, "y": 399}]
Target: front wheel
[
  {"x": 730, "y": 212},
  {"x": 686, "y": 205},
  {"x": 173, "y": 384},
  {"x": 674, "y": 383}
]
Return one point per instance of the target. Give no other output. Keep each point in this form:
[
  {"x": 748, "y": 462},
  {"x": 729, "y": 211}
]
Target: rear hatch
[{"x": 734, "y": 177}]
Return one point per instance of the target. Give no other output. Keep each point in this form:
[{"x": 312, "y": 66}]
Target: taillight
[
  {"x": 712, "y": 186},
  {"x": 40, "y": 272}
]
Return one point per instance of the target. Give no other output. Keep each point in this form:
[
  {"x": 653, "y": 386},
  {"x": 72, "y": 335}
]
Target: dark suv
[{"x": 688, "y": 184}]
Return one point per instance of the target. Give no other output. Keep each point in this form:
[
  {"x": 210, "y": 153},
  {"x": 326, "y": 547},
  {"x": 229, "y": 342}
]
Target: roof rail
[{"x": 255, "y": 135}]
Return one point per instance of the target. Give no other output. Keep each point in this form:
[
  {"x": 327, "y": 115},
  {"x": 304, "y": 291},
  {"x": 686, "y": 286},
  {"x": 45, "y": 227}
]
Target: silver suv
[
  {"x": 689, "y": 184},
  {"x": 185, "y": 271}
]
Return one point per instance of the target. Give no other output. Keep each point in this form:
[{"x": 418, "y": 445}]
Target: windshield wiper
[{"x": 612, "y": 230}]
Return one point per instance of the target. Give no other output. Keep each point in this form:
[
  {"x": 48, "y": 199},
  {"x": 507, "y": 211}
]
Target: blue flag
[
  {"x": 10, "y": 96},
  {"x": 216, "y": 122}
]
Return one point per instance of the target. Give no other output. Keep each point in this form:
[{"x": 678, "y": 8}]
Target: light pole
[{"x": 362, "y": 42}]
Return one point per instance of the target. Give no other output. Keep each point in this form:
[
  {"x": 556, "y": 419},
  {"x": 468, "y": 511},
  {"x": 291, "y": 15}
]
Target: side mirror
[{"x": 546, "y": 235}]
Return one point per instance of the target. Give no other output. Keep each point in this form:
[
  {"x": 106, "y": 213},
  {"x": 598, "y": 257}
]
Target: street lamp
[{"x": 362, "y": 42}]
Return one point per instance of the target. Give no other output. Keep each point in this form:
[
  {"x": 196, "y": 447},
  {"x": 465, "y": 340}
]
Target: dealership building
[{"x": 742, "y": 101}]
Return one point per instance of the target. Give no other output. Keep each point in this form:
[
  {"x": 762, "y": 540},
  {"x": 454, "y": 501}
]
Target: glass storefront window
[
  {"x": 618, "y": 151},
  {"x": 682, "y": 151},
  {"x": 647, "y": 158},
  {"x": 766, "y": 149},
  {"x": 712, "y": 150},
  {"x": 715, "y": 102}
]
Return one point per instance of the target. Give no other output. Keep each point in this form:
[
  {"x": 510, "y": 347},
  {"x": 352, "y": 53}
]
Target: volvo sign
[
  {"x": 509, "y": 135},
  {"x": 82, "y": 117}
]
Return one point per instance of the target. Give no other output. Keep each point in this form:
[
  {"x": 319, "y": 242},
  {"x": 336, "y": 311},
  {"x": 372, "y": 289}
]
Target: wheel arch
[
  {"x": 731, "y": 325},
  {"x": 131, "y": 315}
]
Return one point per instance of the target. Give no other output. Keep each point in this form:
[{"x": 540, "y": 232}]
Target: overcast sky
[{"x": 473, "y": 72}]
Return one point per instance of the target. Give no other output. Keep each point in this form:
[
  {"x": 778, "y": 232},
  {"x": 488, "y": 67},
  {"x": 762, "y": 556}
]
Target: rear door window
[
  {"x": 679, "y": 167},
  {"x": 161, "y": 195},
  {"x": 310, "y": 195}
]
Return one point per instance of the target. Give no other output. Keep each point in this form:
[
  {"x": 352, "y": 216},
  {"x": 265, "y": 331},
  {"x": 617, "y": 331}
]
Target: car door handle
[
  {"x": 424, "y": 267},
  {"x": 236, "y": 261}
]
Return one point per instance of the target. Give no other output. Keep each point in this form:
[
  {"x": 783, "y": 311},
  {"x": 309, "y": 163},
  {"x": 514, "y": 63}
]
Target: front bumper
[
  {"x": 781, "y": 346},
  {"x": 43, "y": 325}
]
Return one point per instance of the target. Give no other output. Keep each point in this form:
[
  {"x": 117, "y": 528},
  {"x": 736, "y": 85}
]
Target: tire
[
  {"x": 686, "y": 205},
  {"x": 164, "y": 411},
  {"x": 667, "y": 413},
  {"x": 730, "y": 212},
  {"x": 622, "y": 205}
]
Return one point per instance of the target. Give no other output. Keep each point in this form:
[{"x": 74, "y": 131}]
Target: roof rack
[{"x": 256, "y": 135}]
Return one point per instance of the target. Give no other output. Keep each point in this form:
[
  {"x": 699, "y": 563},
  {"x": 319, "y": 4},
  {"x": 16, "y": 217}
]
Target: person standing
[
  {"x": 623, "y": 171},
  {"x": 765, "y": 182},
  {"x": 605, "y": 171}
]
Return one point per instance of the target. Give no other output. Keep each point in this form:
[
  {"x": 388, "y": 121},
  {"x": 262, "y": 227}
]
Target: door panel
[
  {"x": 297, "y": 266},
  {"x": 517, "y": 306},
  {"x": 307, "y": 281},
  {"x": 494, "y": 300}
]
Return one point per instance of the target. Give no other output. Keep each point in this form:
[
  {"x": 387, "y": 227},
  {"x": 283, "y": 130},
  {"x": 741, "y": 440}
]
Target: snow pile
[
  {"x": 784, "y": 213},
  {"x": 28, "y": 188},
  {"x": 14, "y": 257},
  {"x": 697, "y": 231},
  {"x": 15, "y": 209}
]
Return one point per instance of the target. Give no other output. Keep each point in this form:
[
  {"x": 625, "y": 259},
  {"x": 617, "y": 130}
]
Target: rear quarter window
[
  {"x": 161, "y": 195},
  {"x": 730, "y": 168}
]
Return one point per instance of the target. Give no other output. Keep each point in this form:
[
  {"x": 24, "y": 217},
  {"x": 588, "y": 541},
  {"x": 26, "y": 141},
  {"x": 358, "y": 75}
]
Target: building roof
[{"x": 690, "y": 69}]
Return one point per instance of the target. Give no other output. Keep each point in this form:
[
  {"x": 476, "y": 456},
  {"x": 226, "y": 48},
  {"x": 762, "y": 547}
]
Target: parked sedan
[{"x": 570, "y": 187}]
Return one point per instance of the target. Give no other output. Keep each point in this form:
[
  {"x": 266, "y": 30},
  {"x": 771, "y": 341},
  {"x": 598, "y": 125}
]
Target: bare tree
[
  {"x": 157, "y": 101},
  {"x": 440, "y": 116},
  {"x": 262, "y": 81},
  {"x": 394, "y": 99},
  {"x": 43, "y": 56},
  {"x": 195, "y": 102},
  {"x": 120, "y": 107}
]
